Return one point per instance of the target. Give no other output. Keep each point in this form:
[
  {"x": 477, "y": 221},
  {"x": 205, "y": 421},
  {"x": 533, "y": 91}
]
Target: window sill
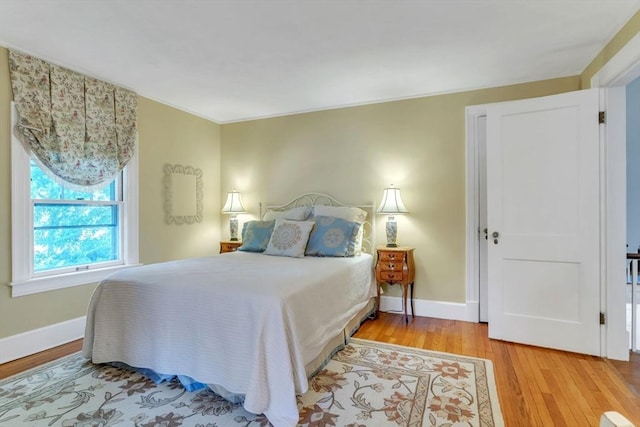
[{"x": 44, "y": 284}]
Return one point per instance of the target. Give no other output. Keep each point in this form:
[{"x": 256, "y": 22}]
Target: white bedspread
[{"x": 249, "y": 322}]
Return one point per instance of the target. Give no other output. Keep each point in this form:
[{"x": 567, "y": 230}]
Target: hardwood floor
[
  {"x": 19, "y": 365},
  {"x": 537, "y": 387}
]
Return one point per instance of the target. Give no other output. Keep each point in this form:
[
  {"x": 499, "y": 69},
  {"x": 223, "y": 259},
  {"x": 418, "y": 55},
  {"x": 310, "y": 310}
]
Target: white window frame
[
  {"x": 24, "y": 280},
  {"x": 118, "y": 203}
]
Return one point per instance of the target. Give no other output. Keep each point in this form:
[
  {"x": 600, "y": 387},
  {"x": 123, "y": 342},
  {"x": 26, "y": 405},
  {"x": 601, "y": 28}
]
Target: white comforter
[{"x": 248, "y": 322}]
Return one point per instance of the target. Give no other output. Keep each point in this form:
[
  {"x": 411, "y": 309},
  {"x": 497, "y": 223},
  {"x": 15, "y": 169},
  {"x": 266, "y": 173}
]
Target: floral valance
[{"x": 82, "y": 130}]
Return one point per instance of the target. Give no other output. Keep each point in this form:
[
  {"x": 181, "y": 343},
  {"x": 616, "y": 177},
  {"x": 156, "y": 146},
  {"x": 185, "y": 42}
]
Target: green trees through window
[{"x": 72, "y": 228}]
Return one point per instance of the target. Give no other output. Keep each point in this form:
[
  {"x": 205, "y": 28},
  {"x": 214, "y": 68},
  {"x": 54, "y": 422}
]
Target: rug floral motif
[{"x": 365, "y": 384}]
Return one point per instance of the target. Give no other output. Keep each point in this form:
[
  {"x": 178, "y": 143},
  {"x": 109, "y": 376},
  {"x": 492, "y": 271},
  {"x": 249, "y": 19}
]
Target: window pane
[
  {"x": 43, "y": 187},
  {"x": 57, "y": 215},
  {"x": 74, "y": 235}
]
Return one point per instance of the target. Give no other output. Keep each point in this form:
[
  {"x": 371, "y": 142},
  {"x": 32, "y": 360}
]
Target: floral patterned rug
[{"x": 365, "y": 384}]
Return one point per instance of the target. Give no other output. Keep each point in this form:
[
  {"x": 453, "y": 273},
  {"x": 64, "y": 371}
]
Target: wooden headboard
[{"x": 319, "y": 199}]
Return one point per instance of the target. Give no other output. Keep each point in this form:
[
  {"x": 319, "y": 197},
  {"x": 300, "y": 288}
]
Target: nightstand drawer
[
  {"x": 392, "y": 266},
  {"x": 391, "y": 256},
  {"x": 229, "y": 246},
  {"x": 390, "y": 276}
]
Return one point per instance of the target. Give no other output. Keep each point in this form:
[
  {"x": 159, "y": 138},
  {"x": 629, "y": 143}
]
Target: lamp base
[
  {"x": 392, "y": 232},
  {"x": 233, "y": 228}
]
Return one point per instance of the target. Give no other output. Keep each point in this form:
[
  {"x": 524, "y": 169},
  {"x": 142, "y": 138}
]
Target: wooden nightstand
[
  {"x": 395, "y": 266},
  {"x": 229, "y": 246}
]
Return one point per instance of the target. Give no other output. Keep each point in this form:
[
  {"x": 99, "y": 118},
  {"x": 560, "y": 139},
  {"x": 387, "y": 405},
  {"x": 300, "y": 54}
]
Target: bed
[{"x": 252, "y": 327}]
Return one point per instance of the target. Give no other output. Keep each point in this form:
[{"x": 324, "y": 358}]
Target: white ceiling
[{"x": 242, "y": 59}]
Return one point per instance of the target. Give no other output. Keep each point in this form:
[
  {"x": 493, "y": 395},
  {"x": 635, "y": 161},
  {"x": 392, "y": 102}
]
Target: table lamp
[
  {"x": 392, "y": 204},
  {"x": 233, "y": 206}
]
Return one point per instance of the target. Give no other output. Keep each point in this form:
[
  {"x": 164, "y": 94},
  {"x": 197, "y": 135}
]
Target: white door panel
[{"x": 543, "y": 201}]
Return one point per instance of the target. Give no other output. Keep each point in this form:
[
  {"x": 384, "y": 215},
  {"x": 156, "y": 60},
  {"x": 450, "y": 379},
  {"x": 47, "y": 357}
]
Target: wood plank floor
[
  {"x": 537, "y": 387},
  {"x": 20, "y": 365}
]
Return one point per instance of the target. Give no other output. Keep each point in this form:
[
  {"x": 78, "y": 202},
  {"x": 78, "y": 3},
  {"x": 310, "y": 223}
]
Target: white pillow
[
  {"x": 296, "y": 214},
  {"x": 289, "y": 238},
  {"x": 357, "y": 246},
  {"x": 348, "y": 213}
]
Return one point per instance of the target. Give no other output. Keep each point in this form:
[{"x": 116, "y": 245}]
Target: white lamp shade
[
  {"x": 392, "y": 202},
  {"x": 233, "y": 204}
]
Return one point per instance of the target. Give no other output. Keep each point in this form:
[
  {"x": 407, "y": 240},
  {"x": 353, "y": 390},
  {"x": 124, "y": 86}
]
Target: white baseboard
[
  {"x": 437, "y": 309},
  {"x": 37, "y": 340}
]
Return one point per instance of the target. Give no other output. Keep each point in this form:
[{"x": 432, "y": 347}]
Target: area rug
[{"x": 365, "y": 384}]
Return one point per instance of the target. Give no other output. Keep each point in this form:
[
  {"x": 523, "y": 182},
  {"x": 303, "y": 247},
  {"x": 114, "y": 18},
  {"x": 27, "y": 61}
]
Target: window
[
  {"x": 74, "y": 230},
  {"x": 62, "y": 237}
]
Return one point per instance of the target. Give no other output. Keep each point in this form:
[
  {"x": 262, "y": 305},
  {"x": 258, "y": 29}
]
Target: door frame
[
  {"x": 472, "y": 190},
  {"x": 612, "y": 77}
]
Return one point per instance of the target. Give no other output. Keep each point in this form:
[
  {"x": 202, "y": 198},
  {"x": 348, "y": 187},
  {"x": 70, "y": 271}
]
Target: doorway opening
[{"x": 632, "y": 291}]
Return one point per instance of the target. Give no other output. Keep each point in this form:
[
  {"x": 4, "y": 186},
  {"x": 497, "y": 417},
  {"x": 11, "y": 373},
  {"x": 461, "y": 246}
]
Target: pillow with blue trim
[
  {"x": 289, "y": 238},
  {"x": 331, "y": 237},
  {"x": 256, "y": 235}
]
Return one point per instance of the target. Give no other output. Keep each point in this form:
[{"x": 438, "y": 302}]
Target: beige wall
[
  {"x": 353, "y": 153},
  {"x": 169, "y": 136},
  {"x": 166, "y": 135}
]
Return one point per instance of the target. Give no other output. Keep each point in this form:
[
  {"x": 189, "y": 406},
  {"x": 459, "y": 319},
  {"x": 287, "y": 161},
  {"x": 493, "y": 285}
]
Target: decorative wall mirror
[{"x": 183, "y": 194}]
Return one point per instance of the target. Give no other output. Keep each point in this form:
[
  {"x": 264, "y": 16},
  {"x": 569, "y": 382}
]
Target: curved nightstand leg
[
  {"x": 405, "y": 291},
  {"x": 413, "y": 307},
  {"x": 377, "y": 301}
]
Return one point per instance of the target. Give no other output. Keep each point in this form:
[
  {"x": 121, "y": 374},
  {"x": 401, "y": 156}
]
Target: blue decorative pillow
[
  {"x": 256, "y": 235},
  {"x": 348, "y": 213},
  {"x": 330, "y": 236}
]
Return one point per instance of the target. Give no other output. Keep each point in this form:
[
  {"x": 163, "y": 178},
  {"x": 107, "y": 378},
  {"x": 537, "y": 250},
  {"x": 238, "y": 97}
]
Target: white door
[{"x": 543, "y": 212}]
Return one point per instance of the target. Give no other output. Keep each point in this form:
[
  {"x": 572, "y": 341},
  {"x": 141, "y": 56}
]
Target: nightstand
[
  {"x": 229, "y": 246},
  {"x": 395, "y": 266}
]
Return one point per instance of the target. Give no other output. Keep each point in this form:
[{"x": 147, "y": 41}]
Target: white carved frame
[{"x": 170, "y": 217}]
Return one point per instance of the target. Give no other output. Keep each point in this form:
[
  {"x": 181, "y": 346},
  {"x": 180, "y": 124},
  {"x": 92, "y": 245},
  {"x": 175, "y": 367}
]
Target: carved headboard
[{"x": 319, "y": 199}]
